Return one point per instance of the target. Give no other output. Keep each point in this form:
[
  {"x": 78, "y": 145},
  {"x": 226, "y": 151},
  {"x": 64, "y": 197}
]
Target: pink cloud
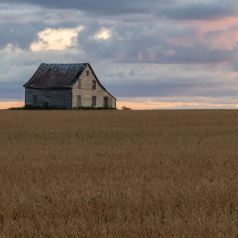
[
  {"x": 216, "y": 34},
  {"x": 179, "y": 103},
  {"x": 148, "y": 104},
  {"x": 212, "y": 25},
  {"x": 227, "y": 40},
  {"x": 10, "y": 104}
]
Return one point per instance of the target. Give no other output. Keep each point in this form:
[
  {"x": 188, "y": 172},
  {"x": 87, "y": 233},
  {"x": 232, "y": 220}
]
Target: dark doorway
[
  {"x": 79, "y": 101},
  {"x": 105, "y": 102},
  {"x": 94, "y": 101},
  {"x": 35, "y": 100},
  {"x": 46, "y": 104}
]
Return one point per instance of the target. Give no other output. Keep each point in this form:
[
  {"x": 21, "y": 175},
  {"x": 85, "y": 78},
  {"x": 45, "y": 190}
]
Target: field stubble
[{"x": 118, "y": 174}]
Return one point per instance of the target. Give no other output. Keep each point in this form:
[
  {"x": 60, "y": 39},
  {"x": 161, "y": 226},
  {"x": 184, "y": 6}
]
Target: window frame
[
  {"x": 105, "y": 102},
  {"x": 35, "y": 99},
  {"x": 79, "y": 84},
  {"x": 79, "y": 101},
  {"x": 94, "y": 101},
  {"x": 94, "y": 84}
]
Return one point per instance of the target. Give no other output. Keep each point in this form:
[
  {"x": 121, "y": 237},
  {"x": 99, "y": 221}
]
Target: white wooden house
[{"x": 67, "y": 86}]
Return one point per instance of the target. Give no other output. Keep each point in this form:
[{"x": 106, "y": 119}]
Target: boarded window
[
  {"x": 48, "y": 101},
  {"x": 87, "y": 73},
  {"x": 46, "y": 104},
  {"x": 79, "y": 83},
  {"x": 94, "y": 84},
  {"x": 105, "y": 101},
  {"x": 35, "y": 100},
  {"x": 94, "y": 101},
  {"x": 61, "y": 101},
  {"x": 55, "y": 100},
  {"x": 79, "y": 101}
]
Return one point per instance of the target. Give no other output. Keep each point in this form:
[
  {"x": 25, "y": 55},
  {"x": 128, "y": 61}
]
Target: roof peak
[{"x": 65, "y": 63}]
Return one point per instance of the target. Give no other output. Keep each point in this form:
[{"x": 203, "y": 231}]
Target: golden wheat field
[{"x": 118, "y": 174}]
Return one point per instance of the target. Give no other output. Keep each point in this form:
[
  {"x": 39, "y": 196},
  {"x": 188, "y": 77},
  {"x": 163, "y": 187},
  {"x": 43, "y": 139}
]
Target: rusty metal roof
[{"x": 49, "y": 76}]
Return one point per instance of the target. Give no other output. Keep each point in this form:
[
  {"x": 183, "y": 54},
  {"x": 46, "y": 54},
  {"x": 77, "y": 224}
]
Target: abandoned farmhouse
[{"x": 67, "y": 86}]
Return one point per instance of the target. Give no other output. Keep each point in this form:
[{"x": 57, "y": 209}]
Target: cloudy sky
[{"x": 149, "y": 54}]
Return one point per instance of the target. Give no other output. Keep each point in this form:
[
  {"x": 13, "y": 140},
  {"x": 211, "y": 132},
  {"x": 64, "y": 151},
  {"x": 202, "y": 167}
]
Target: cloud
[
  {"x": 153, "y": 48},
  {"x": 147, "y": 80},
  {"x": 100, "y": 7},
  {"x": 11, "y": 104},
  {"x": 141, "y": 103},
  {"x": 103, "y": 34},
  {"x": 155, "y": 44},
  {"x": 18, "y": 65},
  {"x": 56, "y": 39},
  {"x": 200, "y": 11},
  {"x": 15, "y": 34},
  {"x": 174, "y": 9},
  {"x": 153, "y": 103}
]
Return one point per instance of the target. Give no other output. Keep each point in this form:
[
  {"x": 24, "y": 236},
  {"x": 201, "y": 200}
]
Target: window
[
  {"x": 94, "y": 84},
  {"x": 87, "y": 73},
  {"x": 94, "y": 101},
  {"x": 105, "y": 101},
  {"x": 78, "y": 101},
  {"x": 61, "y": 100},
  {"x": 29, "y": 98},
  {"x": 79, "y": 83},
  {"x": 46, "y": 104},
  {"x": 48, "y": 101},
  {"x": 35, "y": 100}
]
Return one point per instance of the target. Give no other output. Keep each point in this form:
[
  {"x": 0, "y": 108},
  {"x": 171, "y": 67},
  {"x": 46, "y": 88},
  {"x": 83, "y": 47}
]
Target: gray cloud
[
  {"x": 103, "y": 6},
  {"x": 200, "y": 11},
  {"x": 172, "y": 87},
  {"x": 150, "y": 53},
  {"x": 151, "y": 46},
  {"x": 174, "y": 9},
  {"x": 16, "y": 34},
  {"x": 13, "y": 91}
]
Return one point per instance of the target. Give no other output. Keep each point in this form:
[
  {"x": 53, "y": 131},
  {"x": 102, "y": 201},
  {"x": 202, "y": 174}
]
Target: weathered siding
[
  {"x": 48, "y": 98},
  {"x": 113, "y": 103},
  {"x": 54, "y": 86},
  {"x": 87, "y": 92}
]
